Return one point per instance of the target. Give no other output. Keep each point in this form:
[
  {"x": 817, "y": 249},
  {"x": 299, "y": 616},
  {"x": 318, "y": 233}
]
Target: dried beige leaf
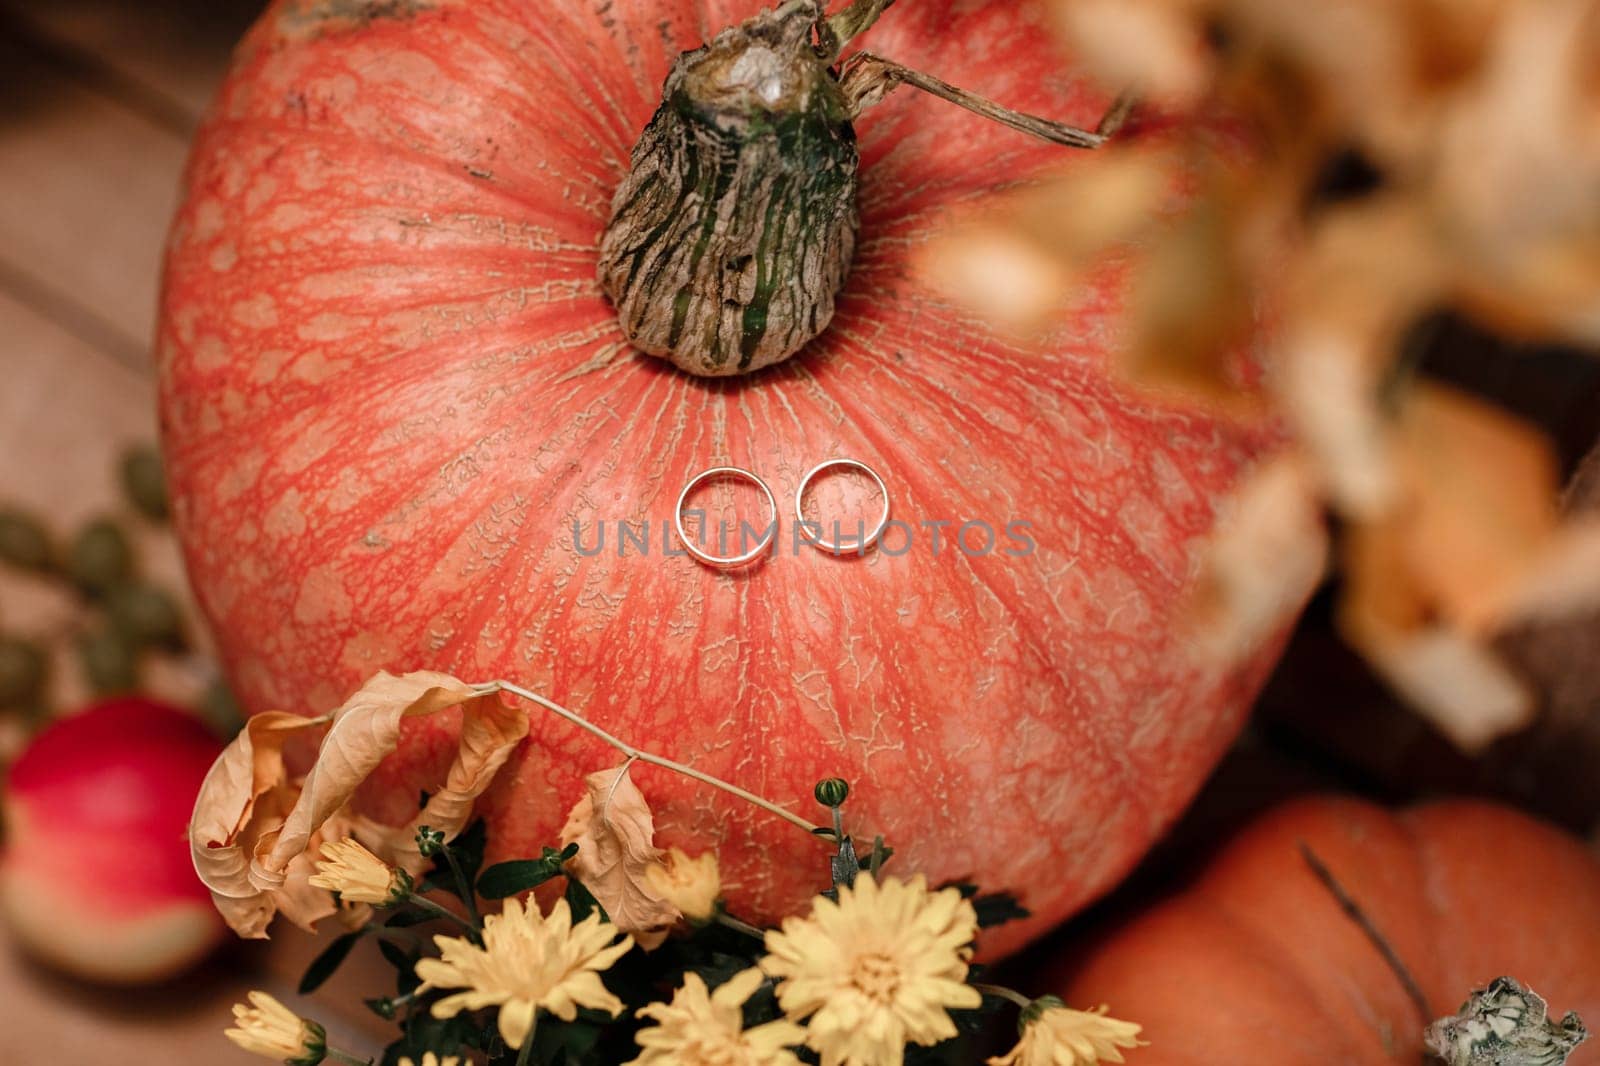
[
  {"x": 1013, "y": 280},
  {"x": 1153, "y": 47},
  {"x": 256, "y": 834},
  {"x": 1452, "y": 678},
  {"x": 246, "y": 793},
  {"x": 1018, "y": 264},
  {"x": 615, "y": 834},
  {"x": 1562, "y": 581},
  {"x": 1269, "y": 553},
  {"x": 1459, "y": 685},
  {"x": 1482, "y": 490},
  {"x": 1346, "y": 305}
]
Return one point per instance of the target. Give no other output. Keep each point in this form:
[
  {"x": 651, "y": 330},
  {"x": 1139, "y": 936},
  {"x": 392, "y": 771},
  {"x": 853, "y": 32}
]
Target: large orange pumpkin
[
  {"x": 1254, "y": 962},
  {"x": 391, "y": 387}
]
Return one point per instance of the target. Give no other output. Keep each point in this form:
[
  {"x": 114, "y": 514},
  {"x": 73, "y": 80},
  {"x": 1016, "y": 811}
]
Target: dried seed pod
[
  {"x": 110, "y": 663},
  {"x": 144, "y": 482},
  {"x": 736, "y": 224},
  {"x": 24, "y": 542},
  {"x": 1505, "y": 1024},
  {"x": 22, "y": 672},
  {"x": 145, "y": 616},
  {"x": 735, "y": 227},
  {"x": 100, "y": 557}
]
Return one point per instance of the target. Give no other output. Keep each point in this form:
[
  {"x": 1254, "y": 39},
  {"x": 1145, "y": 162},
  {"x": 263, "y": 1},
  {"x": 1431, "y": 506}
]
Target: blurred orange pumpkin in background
[{"x": 1255, "y": 961}]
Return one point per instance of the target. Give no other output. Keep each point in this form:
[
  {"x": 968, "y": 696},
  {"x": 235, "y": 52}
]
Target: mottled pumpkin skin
[
  {"x": 390, "y": 385},
  {"x": 1255, "y": 963}
]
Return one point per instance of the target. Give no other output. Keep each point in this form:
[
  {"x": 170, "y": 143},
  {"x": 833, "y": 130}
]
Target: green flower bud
[
  {"x": 430, "y": 841},
  {"x": 832, "y": 791}
]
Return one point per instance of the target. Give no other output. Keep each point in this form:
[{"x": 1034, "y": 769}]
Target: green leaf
[
  {"x": 557, "y": 1043},
  {"x": 998, "y": 908},
  {"x": 405, "y": 919},
  {"x": 397, "y": 956},
  {"x": 581, "y": 900},
  {"x": 881, "y": 853},
  {"x": 513, "y": 878},
  {"x": 331, "y": 959},
  {"x": 468, "y": 849}
]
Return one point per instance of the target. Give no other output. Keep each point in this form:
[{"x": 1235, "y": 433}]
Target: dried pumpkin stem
[
  {"x": 632, "y": 752},
  {"x": 1356, "y": 914},
  {"x": 868, "y": 78}
]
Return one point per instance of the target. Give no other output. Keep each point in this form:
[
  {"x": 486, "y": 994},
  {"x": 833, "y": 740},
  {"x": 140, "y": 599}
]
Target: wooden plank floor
[{"x": 97, "y": 101}]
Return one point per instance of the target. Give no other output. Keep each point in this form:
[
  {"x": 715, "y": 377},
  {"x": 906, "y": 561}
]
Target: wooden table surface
[{"x": 98, "y": 100}]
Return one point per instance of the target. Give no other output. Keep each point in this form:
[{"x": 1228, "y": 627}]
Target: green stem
[
  {"x": 644, "y": 756},
  {"x": 428, "y": 905},
  {"x": 468, "y": 895},
  {"x": 335, "y": 1055},
  {"x": 1004, "y": 993},
  {"x": 738, "y": 926},
  {"x": 525, "y": 1056}
]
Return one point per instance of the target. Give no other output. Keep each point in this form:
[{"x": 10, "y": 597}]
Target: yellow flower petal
[
  {"x": 877, "y": 970},
  {"x": 528, "y": 962},
  {"x": 701, "y": 1029},
  {"x": 266, "y": 1027},
  {"x": 1057, "y": 1035},
  {"x": 358, "y": 875}
]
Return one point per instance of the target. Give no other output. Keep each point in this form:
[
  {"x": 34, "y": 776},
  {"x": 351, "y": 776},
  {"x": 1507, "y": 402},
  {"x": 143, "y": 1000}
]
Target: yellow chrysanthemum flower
[
  {"x": 266, "y": 1027},
  {"x": 1055, "y": 1035},
  {"x": 359, "y": 876},
  {"x": 877, "y": 970},
  {"x": 691, "y": 885},
  {"x": 528, "y": 963},
  {"x": 430, "y": 1059},
  {"x": 700, "y": 1028}
]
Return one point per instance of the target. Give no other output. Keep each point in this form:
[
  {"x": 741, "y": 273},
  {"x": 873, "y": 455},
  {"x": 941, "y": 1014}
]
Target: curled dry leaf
[
  {"x": 255, "y": 832},
  {"x": 615, "y": 834},
  {"x": 244, "y": 798}
]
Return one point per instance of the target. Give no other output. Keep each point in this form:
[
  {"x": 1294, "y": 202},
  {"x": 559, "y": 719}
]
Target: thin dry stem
[
  {"x": 1356, "y": 914},
  {"x": 633, "y": 753},
  {"x": 868, "y": 78},
  {"x": 1003, "y": 992}
]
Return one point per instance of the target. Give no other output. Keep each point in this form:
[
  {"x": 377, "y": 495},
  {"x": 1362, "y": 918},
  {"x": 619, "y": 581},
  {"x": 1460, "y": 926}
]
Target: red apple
[{"x": 96, "y": 877}]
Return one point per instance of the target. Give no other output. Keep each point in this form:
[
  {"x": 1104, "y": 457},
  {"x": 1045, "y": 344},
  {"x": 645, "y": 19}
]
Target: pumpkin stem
[
  {"x": 867, "y": 79},
  {"x": 1356, "y": 914}
]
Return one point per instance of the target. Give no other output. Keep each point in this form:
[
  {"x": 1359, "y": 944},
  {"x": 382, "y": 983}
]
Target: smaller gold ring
[
  {"x": 857, "y": 545},
  {"x": 726, "y": 562}
]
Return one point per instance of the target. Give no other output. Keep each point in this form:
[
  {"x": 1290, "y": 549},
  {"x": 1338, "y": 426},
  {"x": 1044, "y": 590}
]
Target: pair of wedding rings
[{"x": 811, "y": 532}]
